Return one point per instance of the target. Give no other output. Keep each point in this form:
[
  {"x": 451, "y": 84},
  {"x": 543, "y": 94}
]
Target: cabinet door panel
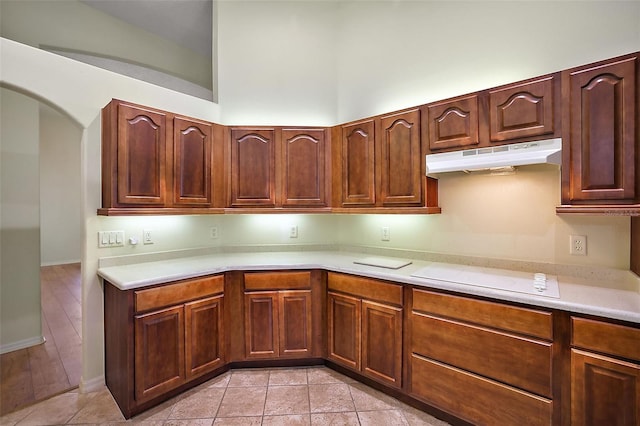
[
  {"x": 192, "y": 146},
  {"x": 252, "y": 168},
  {"x": 303, "y": 162},
  {"x": 261, "y": 327},
  {"x": 522, "y": 110},
  {"x": 141, "y": 156},
  {"x": 453, "y": 123},
  {"x": 401, "y": 159},
  {"x": 601, "y": 132},
  {"x": 344, "y": 330},
  {"x": 382, "y": 342},
  {"x": 604, "y": 391},
  {"x": 295, "y": 323},
  {"x": 204, "y": 336},
  {"x": 159, "y": 352},
  {"x": 358, "y": 164}
]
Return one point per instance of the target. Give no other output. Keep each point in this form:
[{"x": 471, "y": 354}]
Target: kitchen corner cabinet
[
  {"x": 278, "y": 315},
  {"x": 367, "y": 157},
  {"x": 605, "y": 373},
  {"x": 365, "y": 315},
  {"x": 496, "y": 358},
  {"x": 161, "y": 339},
  {"x": 156, "y": 162},
  {"x": 279, "y": 167},
  {"x": 600, "y": 134}
]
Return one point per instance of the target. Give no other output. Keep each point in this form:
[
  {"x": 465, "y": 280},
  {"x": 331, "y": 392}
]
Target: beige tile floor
[{"x": 293, "y": 396}]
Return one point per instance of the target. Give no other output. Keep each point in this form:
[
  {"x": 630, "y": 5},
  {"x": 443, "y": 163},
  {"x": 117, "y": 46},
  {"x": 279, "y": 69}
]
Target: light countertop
[{"x": 581, "y": 295}]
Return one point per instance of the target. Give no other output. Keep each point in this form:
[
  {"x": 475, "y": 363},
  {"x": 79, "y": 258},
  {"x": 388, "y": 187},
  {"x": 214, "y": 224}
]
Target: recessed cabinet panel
[
  {"x": 344, "y": 330},
  {"x": 453, "y": 123},
  {"x": 252, "y": 168},
  {"x": 521, "y": 111},
  {"x": 600, "y": 129},
  {"x": 303, "y": 159},
  {"x": 204, "y": 336},
  {"x": 192, "y": 147},
  {"x": 261, "y": 324},
  {"x": 401, "y": 159},
  {"x": 295, "y": 323},
  {"x": 141, "y": 156},
  {"x": 604, "y": 391},
  {"x": 358, "y": 164},
  {"x": 159, "y": 352},
  {"x": 382, "y": 328}
]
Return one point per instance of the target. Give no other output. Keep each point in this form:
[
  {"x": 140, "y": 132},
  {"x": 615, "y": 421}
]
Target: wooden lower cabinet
[
  {"x": 278, "y": 323},
  {"x": 161, "y": 339},
  {"x": 366, "y": 335},
  {"x": 480, "y": 361},
  {"x": 605, "y": 388}
]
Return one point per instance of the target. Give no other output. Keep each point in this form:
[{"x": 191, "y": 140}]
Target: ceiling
[{"x": 186, "y": 22}]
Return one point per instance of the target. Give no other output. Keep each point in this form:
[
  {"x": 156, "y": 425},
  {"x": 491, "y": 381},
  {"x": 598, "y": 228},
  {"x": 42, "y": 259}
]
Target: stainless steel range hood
[{"x": 537, "y": 152}]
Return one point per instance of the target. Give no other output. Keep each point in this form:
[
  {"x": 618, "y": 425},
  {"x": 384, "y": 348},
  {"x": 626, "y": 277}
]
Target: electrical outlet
[
  {"x": 146, "y": 237},
  {"x": 293, "y": 231},
  {"x": 213, "y": 232},
  {"x": 386, "y": 233},
  {"x": 578, "y": 245}
]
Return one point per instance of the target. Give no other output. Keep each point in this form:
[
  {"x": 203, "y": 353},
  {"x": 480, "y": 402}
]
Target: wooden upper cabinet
[
  {"x": 358, "y": 164},
  {"x": 453, "y": 123},
  {"x": 192, "y": 151},
  {"x": 141, "y": 152},
  {"x": 401, "y": 159},
  {"x": 303, "y": 159},
  {"x": 599, "y": 133},
  {"x": 522, "y": 110},
  {"x": 253, "y": 168}
]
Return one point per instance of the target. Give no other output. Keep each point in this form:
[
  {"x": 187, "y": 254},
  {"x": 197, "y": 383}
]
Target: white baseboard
[
  {"x": 22, "y": 344},
  {"x": 60, "y": 262},
  {"x": 91, "y": 385}
]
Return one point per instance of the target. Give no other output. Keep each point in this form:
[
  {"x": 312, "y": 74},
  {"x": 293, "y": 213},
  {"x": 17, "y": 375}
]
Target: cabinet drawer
[
  {"x": 612, "y": 339},
  {"x": 474, "y": 398},
  {"x": 510, "y": 318},
  {"x": 517, "y": 361},
  {"x": 257, "y": 281},
  {"x": 366, "y": 288},
  {"x": 177, "y": 293}
]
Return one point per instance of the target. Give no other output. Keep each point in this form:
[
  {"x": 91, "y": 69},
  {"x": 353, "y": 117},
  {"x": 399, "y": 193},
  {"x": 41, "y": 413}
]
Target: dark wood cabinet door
[
  {"x": 204, "y": 336},
  {"x": 401, "y": 162},
  {"x": 159, "y": 352},
  {"x": 382, "y": 342},
  {"x": 295, "y": 323},
  {"x": 453, "y": 123},
  {"x": 344, "y": 330},
  {"x": 261, "y": 324},
  {"x": 192, "y": 147},
  {"x": 522, "y": 110},
  {"x": 252, "y": 168},
  {"x": 141, "y": 156},
  {"x": 599, "y": 129},
  {"x": 303, "y": 161},
  {"x": 604, "y": 390},
  {"x": 358, "y": 164}
]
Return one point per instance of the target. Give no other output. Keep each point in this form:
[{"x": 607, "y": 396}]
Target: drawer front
[
  {"x": 517, "y": 361},
  {"x": 600, "y": 336},
  {"x": 474, "y": 398},
  {"x": 497, "y": 315},
  {"x": 174, "y": 294},
  {"x": 258, "y": 281},
  {"x": 366, "y": 288}
]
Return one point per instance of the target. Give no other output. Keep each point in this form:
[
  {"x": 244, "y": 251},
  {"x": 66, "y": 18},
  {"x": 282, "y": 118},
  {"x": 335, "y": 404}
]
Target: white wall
[
  {"x": 60, "y": 188},
  {"x": 20, "y": 324},
  {"x": 276, "y": 62},
  {"x": 396, "y": 54},
  {"x": 72, "y": 25}
]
